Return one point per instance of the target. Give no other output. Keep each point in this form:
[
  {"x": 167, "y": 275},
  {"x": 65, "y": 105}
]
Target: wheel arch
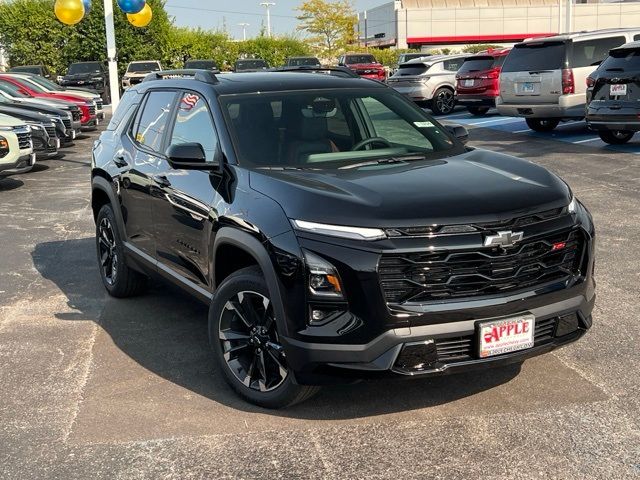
[
  {"x": 254, "y": 253},
  {"x": 102, "y": 193}
]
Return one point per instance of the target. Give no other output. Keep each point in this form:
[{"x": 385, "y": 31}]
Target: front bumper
[
  {"x": 22, "y": 165},
  {"x": 92, "y": 124}
]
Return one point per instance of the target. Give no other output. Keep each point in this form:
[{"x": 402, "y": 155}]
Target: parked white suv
[
  {"x": 544, "y": 80},
  {"x": 136, "y": 71},
  {"x": 16, "y": 146},
  {"x": 429, "y": 81}
]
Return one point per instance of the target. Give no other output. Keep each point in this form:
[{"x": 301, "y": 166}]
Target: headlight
[
  {"x": 354, "y": 233},
  {"x": 35, "y": 126},
  {"x": 323, "y": 279},
  {"x": 6, "y": 129}
]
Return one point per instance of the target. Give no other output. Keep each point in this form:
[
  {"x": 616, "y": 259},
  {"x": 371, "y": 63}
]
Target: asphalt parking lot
[{"x": 94, "y": 387}]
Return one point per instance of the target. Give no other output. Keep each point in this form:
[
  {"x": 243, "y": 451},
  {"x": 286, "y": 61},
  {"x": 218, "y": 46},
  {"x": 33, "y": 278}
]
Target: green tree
[
  {"x": 479, "y": 48},
  {"x": 329, "y": 24}
]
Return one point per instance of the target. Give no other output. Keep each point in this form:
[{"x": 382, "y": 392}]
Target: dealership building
[{"x": 428, "y": 24}]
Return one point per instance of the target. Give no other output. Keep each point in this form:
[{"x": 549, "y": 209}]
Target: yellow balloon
[
  {"x": 69, "y": 12},
  {"x": 142, "y": 18}
]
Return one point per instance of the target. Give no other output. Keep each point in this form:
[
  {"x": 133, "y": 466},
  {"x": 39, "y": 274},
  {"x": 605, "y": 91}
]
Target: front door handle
[{"x": 161, "y": 180}]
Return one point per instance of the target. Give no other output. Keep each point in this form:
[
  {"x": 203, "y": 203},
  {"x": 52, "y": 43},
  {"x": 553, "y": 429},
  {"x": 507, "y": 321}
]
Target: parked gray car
[{"x": 429, "y": 81}]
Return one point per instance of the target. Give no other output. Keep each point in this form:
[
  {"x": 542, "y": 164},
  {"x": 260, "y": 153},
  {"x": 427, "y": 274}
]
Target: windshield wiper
[
  {"x": 384, "y": 161},
  {"x": 615, "y": 69}
]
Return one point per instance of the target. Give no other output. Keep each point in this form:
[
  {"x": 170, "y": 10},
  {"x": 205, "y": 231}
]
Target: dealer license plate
[
  {"x": 506, "y": 335},
  {"x": 468, "y": 83},
  {"x": 528, "y": 88},
  {"x": 616, "y": 90}
]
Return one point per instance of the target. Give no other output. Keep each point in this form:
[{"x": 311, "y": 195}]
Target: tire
[
  {"x": 615, "y": 137},
  {"x": 119, "y": 280},
  {"x": 478, "y": 111},
  {"x": 542, "y": 124},
  {"x": 443, "y": 101},
  {"x": 252, "y": 362}
]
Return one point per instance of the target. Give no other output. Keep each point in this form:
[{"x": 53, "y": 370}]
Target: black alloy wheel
[
  {"x": 249, "y": 340},
  {"x": 107, "y": 252},
  {"x": 443, "y": 101},
  {"x": 243, "y": 331}
]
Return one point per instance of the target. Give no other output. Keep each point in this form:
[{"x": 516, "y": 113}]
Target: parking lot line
[
  {"x": 523, "y": 131},
  {"x": 586, "y": 140},
  {"x": 501, "y": 120}
]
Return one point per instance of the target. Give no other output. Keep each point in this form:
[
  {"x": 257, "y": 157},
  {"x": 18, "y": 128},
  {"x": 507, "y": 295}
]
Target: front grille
[
  {"x": 99, "y": 104},
  {"x": 445, "y": 275},
  {"x": 460, "y": 349},
  {"x": 92, "y": 109},
  {"x": 67, "y": 123},
  {"x": 51, "y": 130},
  {"x": 76, "y": 115},
  {"x": 24, "y": 140}
]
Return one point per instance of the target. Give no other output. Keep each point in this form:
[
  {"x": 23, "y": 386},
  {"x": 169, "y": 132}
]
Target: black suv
[
  {"x": 89, "y": 75},
  {"x": 613, "y": 91},
  {"x": 335, "y": 230}
]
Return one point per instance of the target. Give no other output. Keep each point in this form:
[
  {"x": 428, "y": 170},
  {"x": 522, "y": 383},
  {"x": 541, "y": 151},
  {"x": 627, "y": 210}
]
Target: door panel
[{"x": 182, "y": 210}]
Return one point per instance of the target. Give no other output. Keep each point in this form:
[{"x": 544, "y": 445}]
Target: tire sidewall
[
  {"x": 107, "y": 212},
  {"x": 434, "y": 102}
]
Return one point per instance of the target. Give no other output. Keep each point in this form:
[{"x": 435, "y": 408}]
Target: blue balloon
[
  {"x": 87, "y": 6},
  {"x": 131, "y": 6}
]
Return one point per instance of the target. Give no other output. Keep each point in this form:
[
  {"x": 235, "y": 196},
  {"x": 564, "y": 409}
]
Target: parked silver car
[
  {"x": 544, "y": 80},
  {"x": 429, "y": 81}
]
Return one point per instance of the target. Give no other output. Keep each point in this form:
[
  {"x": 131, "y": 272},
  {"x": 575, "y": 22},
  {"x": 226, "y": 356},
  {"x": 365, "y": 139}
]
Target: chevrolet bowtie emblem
[{"x": 503, "y": 239}]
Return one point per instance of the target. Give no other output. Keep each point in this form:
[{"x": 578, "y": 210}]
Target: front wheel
[
  {"x": 443, "y": 101},
  {"x": 244, "y": 335},
  {"x": 542, "y": 124},
  {"x": 615, "y": 137}
]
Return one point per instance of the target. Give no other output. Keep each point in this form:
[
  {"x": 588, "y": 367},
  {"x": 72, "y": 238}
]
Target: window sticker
[{"x": 423, "y": 124}]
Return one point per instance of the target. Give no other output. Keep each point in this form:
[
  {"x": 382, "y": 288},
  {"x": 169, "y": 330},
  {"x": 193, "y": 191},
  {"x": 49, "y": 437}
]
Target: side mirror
[
  {"x": 189, "y": 156},
  {"x": 458, "y": 131}
]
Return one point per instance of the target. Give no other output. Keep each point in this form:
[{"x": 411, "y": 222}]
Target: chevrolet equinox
[{"x": 335, "y": 230}]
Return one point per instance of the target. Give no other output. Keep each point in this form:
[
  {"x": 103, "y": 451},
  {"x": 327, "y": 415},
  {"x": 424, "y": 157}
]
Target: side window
[
  {"x": 453, "y": 65},
  {"x": 128, "y": 100},
  {"x": 636, "y": 37},
  {"x": 589, "y": 52},
  {"x": 194, "y": 125},
  {"x": 393, "y": 128},
  {"x": 151, "y": 122}
]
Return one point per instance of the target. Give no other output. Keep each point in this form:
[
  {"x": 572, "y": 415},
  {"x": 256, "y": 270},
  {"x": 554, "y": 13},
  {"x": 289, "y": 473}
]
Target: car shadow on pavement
[
  {"x": 165, "y": 332},
  {"x": 10, "y": 183}
]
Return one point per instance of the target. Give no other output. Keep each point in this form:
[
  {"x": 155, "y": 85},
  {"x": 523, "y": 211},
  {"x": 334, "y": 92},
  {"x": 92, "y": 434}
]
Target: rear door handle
[{"x": 161, "y": 180}]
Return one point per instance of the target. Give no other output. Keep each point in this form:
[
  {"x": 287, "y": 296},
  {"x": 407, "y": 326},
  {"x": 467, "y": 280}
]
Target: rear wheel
[
  {"x": 244, "y": 336},
  {"x": 119, "y": 280},
  {"x": 443, "y": 101},
  {"x": 615, "y": 137},
  {"x": 478, "y": 111},
  {"x": 542, "y": 124}
]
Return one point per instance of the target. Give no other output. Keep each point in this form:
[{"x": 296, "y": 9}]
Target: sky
[{"x": 214, "y": 14}]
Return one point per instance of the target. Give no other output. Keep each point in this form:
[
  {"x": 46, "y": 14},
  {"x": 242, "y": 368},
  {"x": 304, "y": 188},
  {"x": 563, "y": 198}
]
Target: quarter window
[
  {"x": 194, "y": 125},
  {"x": 590, "y": 52},
  {"x": 453, "y": 65},
  {"x": 150, "y": 125}
]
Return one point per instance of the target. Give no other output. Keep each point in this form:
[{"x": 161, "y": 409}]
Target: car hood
[
  {"x": 24, "y": 114},
  {"x": 8, "y": 121},
  {"x": 476, "y": 186}
]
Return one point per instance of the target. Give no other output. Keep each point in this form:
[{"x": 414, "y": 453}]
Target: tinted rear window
[
  {"x": 529, "y": 57},
  {"x": 251, "y": 64},
  {"x": 623, "y": 60},
  {"x": 201, "y": 64},
  {"x": 303, "y": 61},
  {"x": 411, "y": 69},
  {"x": 588, "y": 53},
  {"x": 477, "y": 64}
]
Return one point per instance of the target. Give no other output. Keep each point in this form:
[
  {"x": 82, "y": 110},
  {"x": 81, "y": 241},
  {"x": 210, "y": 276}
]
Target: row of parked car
[
  {"x": 39, "y": 117},
  {"x": 592, "y": 75}
]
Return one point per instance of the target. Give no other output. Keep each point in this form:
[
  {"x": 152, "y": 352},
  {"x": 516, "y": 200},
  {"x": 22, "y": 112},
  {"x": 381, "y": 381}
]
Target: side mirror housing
[
  {"x": 189, "y": 156},
  {"x": 458, "y": 131}
]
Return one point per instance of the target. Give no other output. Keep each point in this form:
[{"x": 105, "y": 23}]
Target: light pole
[
  {"x": 268, "y": 5},
  {"x": 244, "y": 30},
  {"x": 114, "y": 82}
]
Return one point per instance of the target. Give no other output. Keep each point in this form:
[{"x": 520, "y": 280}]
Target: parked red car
[
  {"x": 478, "y": 80},
  {"x": 89, "y": 119},
  {"x": 364, "y": 64}
]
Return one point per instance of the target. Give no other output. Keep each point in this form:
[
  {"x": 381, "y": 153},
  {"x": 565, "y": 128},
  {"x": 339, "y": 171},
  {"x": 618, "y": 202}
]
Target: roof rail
[
  {"x": 206, "y": 76},
  {"x": 334, "y": 71}
]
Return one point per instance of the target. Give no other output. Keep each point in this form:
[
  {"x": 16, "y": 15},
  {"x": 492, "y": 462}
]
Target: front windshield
[
  {"x": 303, "y": 62},
  {"x": 77, "y": 68},
  {"x": 251, "y": 64},
  {"x": 27, "y": 69},
  {"x": 144, "y": 67},
  {"x": 48, "y": 84},
  {"x": 327, "y": 129},
  {"x": 12, "y": 90},
  {"x": 33, "y": 85},
  {"x": 201, "y": 64}
]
